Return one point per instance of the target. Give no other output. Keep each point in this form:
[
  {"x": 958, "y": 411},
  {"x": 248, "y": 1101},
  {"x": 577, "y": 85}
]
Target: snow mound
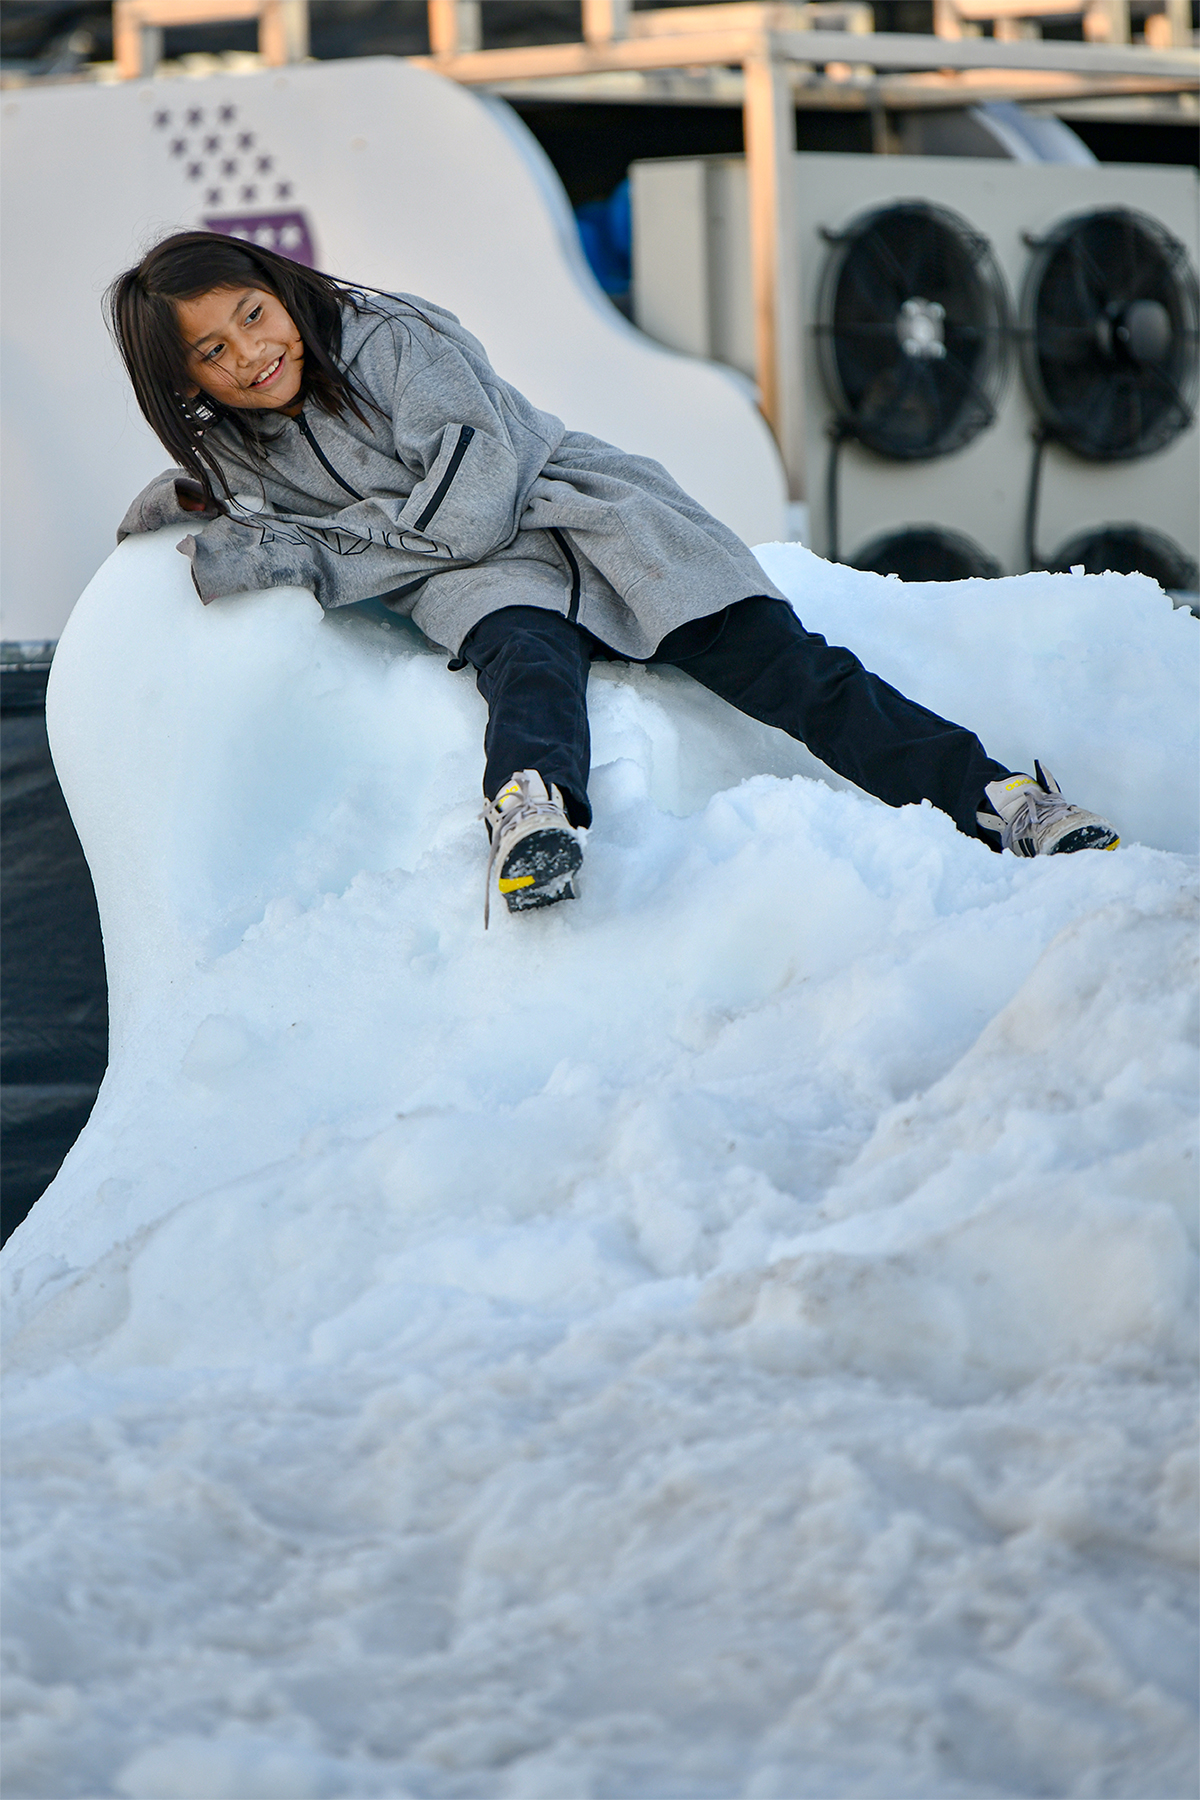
[{"x": 728, "y": 1335}]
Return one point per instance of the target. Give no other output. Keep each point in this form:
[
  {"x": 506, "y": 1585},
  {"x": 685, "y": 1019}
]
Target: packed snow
[{"x": 732, "y": 1335}]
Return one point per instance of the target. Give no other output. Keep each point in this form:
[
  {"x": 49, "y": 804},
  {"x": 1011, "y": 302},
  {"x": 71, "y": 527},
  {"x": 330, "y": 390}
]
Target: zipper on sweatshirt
[
  {"x": 564, "y": 544},
  {"x": 465, "y": 434},
  {"x": 321, "y": 457}
]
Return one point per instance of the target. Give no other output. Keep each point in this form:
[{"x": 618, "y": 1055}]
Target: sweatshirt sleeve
[
  {"x": 236, "y": 556},
  {"x": 158, "y": 505}
]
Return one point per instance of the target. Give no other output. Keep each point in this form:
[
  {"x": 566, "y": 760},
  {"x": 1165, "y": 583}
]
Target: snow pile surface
[{"x": 729, "y": 1336}]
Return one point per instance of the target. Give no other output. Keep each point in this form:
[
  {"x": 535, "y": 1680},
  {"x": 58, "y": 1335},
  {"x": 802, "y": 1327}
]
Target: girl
[{"x": 389, "y": 460}]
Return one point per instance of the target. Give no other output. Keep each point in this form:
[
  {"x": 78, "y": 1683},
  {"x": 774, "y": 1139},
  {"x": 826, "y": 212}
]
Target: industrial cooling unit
[{"x": 1000, "y": 358}]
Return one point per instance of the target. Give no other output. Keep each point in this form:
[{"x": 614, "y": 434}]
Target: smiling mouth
[{"x": 267, "y": 374}]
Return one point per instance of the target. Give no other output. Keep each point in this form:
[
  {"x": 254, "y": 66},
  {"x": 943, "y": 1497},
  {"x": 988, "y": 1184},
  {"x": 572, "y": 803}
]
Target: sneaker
[
  {"x": 534, "y": 844},
  {"x": 1032, "y": 818}
]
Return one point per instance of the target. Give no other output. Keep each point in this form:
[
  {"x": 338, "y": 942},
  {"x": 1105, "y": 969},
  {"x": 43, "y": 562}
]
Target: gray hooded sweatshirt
[{"x": 455, "y": 498}]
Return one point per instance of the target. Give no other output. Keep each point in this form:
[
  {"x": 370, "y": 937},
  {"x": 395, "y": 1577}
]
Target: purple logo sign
[{"x": 286, "y": 232}]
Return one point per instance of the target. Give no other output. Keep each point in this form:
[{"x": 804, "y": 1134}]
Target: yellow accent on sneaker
[{"x": 509, "y": 884}]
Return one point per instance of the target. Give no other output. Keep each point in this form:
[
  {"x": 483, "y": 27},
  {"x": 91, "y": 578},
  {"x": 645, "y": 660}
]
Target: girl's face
[{"x": 243, "y": 348}]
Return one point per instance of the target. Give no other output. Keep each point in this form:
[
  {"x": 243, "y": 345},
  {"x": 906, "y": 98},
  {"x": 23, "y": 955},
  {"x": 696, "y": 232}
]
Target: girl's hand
[
  {"x": 161, "y": 502},
  {"x": 189, "y": 494}
]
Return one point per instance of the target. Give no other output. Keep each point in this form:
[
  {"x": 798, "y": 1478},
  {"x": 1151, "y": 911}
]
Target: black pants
[{"x": 531, "y": 666}]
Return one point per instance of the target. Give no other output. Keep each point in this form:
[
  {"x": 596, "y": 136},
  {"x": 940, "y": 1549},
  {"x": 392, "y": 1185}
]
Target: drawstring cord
[{"x": 491, "y": 818}]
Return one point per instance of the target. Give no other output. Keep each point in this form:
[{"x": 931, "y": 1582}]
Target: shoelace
[
  {"x": 1036, "y": 810},
  {"x": 497, "y": 817}
]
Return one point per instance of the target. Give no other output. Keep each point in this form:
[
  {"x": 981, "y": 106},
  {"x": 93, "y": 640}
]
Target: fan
[
  {"x": 1130, "y": 550},
  {"x": 927, "y": 553},
  {"x": 1109, "y": 333},
  {"x": 911, "y": 330}
]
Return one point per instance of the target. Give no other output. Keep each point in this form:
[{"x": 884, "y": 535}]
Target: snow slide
[{"x": 731, "y": 1335}]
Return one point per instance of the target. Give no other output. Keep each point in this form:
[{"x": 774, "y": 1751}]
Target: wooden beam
[
  {"x": 1107, "y": 22},
  {"x": 127, "y": 42},
  {"x": 738, "y": 15},
  {"x": 604, "y": 20},
  {"x": 820, "y": 93},
  {"x": 744, "y": 15},
  {"x": 896, "y": 50},
  {"x": 1019, "y": 9},
  {"x": 283, "y": 32},
  {"x": 455, "y": 27},
  {"x": 138, "y": 26},
  {"x": 1179, "y": 16},
  {"x": 534, "y": 60},
  {"x": 188, "y": 12},
  {"x": 971, "y": 87},
  {"x": 881, "y": 50},
  {"x": 770, "y": 133}
]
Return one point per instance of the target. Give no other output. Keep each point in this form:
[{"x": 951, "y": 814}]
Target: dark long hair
[{"x": 140, "y": 307}]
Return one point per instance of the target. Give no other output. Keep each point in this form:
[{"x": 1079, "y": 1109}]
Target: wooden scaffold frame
[{"x": 821, "y": 54}]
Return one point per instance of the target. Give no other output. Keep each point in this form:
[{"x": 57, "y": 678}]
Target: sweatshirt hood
[{"x": 358, "y": 327}]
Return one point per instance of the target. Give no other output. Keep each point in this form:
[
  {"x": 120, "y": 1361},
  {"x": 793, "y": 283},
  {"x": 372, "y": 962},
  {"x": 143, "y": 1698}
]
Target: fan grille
[
  {"x": 1109, "y": 334},
  {"x": 912, "y": 331},
  {"x": 1130, "y": 550},
  {"x": 927, "y": 553}
]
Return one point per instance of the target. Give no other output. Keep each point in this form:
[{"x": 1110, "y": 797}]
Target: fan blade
[
  {"x": 1119, "y": 290},
  {"x": 1102, "y": 277},
  {"x": 1135, "y": 268},
  {"x": 1138, "y": 411},
  {"x": 1070, "y": 345},
  {"x": 920, "y": 250},
  {"x": 1097, "y": 418},
  {"x": 1090, "y": 304},
  {"x": 889, "y": 406},
  {"x": 862, "y": 295},
  {"x": 1119, "y": 435},
  {"x": 876, "y": 328},
  {"x": 1164, "y": 381},
  {"x": 971, "y": 386},
  {"x": 935, "y": 386},
  {"x": 873, "y": 242}
]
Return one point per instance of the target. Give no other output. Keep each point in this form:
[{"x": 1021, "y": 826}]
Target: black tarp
[{"x": 53, "y": 999}]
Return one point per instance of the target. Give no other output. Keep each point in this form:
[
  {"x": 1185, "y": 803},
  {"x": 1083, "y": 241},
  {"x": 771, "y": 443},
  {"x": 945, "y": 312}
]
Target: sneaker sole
[
  {"x": 538, "y": 872},
  {"x": 1088, "y": 837}
]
